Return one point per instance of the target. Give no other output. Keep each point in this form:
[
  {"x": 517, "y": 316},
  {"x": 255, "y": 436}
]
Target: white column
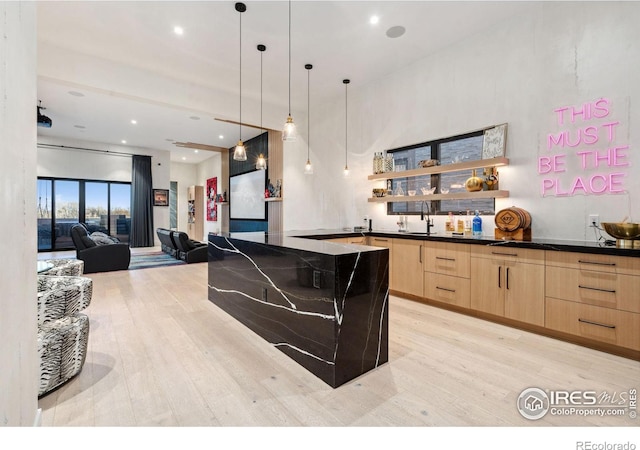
[{"x": 18, "y": 100}]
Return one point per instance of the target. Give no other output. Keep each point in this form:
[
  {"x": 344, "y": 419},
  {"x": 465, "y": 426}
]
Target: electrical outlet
[{"x": 594, "y": 220}]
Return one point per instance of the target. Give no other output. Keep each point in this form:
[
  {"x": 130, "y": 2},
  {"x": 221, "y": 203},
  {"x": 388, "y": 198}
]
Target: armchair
[
  {"x": 167, "y": 244},
  {"x": 189, "y": 250},
  {"x": 99, "y": 258}
]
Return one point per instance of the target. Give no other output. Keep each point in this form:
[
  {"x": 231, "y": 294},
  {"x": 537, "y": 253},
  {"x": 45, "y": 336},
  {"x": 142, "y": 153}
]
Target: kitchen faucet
[{"x": 429, "y": 220}]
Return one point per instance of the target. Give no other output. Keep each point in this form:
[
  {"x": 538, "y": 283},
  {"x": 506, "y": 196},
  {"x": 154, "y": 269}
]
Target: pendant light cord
[
  {"x": 308, "y": 112},
  {"x": 240, "y": 126},
  {"x": 289, "y": 57},
  {"x": 345, "y": 124}
]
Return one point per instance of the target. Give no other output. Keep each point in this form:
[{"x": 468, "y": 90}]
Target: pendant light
[
  {"x": 240, "y": 153},
  {"x": 289, "y": 131},
  {"x": 262, "y": 162},
  {"x": 346, "y": 166},
  {"x": 308, "y": 168}
]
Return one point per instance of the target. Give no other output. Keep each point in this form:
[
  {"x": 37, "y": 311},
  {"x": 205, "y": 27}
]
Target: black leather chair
[
  {"x": 99, "y": 258},
  {"x": 189, "y": 250},
  {"x": 167, "y": 244}
]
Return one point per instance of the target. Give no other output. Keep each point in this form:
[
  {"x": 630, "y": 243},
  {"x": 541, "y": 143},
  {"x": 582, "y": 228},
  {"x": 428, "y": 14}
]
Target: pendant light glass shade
[
  {"x": 262, "y": 163},
  {"x": 240, "y": 153},
  {"x": 345, "y": 172},
  {"x": 308, "y": 168},
  {"x": 289, "y": 130}
]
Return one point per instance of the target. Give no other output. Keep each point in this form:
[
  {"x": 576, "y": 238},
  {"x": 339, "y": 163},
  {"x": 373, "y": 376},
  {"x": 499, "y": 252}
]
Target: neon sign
[{"x": 595, "y": 129}]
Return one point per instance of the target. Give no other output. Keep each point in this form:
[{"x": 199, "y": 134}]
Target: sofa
[
  {"x": 103, "y": 257},
  {"x": 167, "y": 244},
  {"x": 189, "y": 250}
]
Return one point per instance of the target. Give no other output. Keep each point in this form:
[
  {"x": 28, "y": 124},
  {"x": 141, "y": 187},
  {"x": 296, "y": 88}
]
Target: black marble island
[{"x": 323, "y": 304}]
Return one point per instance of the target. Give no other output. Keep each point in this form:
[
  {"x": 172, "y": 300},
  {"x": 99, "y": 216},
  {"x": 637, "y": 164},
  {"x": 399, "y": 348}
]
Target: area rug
[{"x": 157, "y": 259}]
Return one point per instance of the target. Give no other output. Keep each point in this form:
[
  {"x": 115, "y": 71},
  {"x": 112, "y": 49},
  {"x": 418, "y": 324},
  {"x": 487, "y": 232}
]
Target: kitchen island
[{"x": 323, "y": 304}]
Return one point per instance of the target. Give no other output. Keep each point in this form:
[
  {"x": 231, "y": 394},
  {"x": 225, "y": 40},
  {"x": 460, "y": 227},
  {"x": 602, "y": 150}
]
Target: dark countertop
[
  {"x": 541, "y": 244},
  {"x": 298, "y": 241}
]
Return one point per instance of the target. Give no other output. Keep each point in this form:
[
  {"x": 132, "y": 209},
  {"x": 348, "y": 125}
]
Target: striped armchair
[{"x": 63, "y": 332}]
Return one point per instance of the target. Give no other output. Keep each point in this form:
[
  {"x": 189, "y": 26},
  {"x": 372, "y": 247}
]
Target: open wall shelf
[
  {"x": 467, "y": 165},
  {"x": 452, "y": 196}
]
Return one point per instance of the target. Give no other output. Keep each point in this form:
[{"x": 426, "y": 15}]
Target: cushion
[{"x": 102, "y": 238}]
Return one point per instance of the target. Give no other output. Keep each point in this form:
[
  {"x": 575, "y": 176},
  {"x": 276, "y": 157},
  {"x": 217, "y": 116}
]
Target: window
[
  {"x": 102, "y": 205},
  {"x": 467, "y": 147}
]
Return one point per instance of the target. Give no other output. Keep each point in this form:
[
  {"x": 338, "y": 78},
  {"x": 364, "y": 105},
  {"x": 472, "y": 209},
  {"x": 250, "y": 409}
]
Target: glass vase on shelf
[
  {"x": 388, "y": 163},
  {"x": 399, "y": 191}
]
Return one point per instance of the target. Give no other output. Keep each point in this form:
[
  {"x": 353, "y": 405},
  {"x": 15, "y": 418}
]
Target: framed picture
[
  {"x": 494, "y": 142},
  {"x": 161, "y": 197},
  {"x": 212, "y": 194}
]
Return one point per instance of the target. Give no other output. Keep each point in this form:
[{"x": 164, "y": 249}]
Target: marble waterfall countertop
[{"x": 323, "y": 304}]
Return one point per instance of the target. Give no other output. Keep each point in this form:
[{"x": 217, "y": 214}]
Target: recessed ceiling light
[
  {"x": 184, "y": 158},
  {"x": 79, "y": 126},
  {"x": 76, "y": 93},
  {"x": 178, "y": 30},
  {"x": 221, "y": 137},
  {"x": 123, "y": 141},
  {"x": 374, "y": 20},
  {"x": 194, "y": 118},
  {"x": 396, "y": 32},
  {"x": 195, "y": 151},
  {"x": 134, "y": 121},
  {"x": 169, "y": 140}
]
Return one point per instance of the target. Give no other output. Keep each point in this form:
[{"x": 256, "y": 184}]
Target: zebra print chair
[
  {"x": 63, "y": 332},
  {"x": 69, "y": 267}
]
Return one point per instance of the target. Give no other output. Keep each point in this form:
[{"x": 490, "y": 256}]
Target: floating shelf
[
  {"x": 222, "y": 203},
  {"x": 273, "y": 199},
  {"x": 453, "y": 196},
  {"x": 467, "y": 165}
]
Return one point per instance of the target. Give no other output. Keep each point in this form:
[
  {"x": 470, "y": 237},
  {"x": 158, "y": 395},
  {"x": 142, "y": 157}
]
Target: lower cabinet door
[{"x": 524, "y": 292}]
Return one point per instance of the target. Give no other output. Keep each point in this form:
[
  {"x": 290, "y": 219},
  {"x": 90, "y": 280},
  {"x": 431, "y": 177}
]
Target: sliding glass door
[
  {"x": 101, "y": 205},
  {"x": 67, "y": 212}
]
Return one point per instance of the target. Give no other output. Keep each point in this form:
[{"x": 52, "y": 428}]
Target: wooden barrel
[{"x": 510, "y": 219}]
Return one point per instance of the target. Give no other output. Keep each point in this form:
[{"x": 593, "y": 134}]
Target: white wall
[
  {"x": 18, "y": 349},
  {"x": 210, "y": 168},
  {"x": 518, "y": 72},
  {"x": 82, "y": 164}
]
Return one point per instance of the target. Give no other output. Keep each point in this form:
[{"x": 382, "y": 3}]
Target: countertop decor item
[
  {"x": 513, "y": 224},
  {"x": 627, "y": 234},
  {"x": 473, "y": 183}
]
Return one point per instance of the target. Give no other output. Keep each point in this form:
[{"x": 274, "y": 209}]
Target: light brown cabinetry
[
  {"x": 594, "y": 296},
  {"x": 195, "y": 205},
  {"x": 384, "y": 242},
  {"x": 406, "y": 267},
  {"x": 446, "y": 273},
  {"x": 509, "y": 282}
]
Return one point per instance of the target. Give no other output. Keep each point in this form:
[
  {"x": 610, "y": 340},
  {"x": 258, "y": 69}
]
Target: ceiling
[{"x": 102, "y": 64}]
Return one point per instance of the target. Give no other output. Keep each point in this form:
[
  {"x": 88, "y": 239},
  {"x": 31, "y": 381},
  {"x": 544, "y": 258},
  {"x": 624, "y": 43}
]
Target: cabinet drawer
[
  {"x": 447, "y": 289},
  {"x": 606, "y": 289},
  {"x": 360, "y": 240},
  {"x": 447, "y": 258},
  {"x": 375, "y": 241},
  {"x": 615, "y": 327},
  {"x": 590, "y": 261},
  {"x": 498, "y": 252}
]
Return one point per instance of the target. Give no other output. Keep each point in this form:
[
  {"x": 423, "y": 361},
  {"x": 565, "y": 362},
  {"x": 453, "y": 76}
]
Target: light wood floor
[{"x": 161, "y": 354}]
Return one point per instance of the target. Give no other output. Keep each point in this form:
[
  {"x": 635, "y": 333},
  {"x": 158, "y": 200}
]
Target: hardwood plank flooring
[{"x": 161, "y": 355}]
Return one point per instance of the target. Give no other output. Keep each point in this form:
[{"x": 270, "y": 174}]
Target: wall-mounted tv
[{"x": 246, "y": 196}]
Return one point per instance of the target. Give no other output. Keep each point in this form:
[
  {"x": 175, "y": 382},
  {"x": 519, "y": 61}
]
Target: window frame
[{"x": 435, "y": 178}]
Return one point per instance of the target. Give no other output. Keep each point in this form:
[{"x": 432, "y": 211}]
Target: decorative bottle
[
  {"x": 474, "y": 183},
  {"x": 477, "y": 225}
]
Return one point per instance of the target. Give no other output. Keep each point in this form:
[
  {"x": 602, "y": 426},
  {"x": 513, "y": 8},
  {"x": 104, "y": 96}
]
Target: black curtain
[{"x": 141, "y": 202}]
